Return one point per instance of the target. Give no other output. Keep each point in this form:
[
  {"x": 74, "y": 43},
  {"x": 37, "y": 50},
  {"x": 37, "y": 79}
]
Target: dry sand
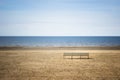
[{"x": 50, "y": 65}]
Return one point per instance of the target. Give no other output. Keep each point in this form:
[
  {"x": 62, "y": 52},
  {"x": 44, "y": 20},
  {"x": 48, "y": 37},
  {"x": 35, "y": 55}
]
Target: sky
[{"x": 59, "y": 17}]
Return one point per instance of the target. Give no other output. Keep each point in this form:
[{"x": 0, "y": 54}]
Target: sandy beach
[{"x": 49, "y": 64}]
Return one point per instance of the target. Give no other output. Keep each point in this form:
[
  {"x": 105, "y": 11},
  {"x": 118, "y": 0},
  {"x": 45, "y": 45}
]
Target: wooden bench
[{"x": 76, "y": 54}]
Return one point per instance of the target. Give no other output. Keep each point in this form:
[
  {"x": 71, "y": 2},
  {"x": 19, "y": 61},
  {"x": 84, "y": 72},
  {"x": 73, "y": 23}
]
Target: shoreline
[{"x": 61, "y": 48}]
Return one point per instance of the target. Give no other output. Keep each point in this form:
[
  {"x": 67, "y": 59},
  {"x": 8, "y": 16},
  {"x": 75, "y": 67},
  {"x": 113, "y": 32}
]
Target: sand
[{"x": 49, "y": 64}]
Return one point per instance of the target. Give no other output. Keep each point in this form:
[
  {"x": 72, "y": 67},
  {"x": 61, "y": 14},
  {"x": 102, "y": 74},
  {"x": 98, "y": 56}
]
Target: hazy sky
[{"x": 59, "y": 17}]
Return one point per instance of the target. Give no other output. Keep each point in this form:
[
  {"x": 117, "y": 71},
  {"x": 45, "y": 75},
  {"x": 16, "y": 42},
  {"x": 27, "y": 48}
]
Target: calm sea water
[{"x": 59, "y": 41}]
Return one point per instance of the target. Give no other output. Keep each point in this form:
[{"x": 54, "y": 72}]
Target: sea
[{"x": 59, "y": 41}]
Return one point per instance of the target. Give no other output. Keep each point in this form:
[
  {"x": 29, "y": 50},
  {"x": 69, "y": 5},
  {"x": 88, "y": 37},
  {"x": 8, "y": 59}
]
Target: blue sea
[{"x": 67, "y": 41}]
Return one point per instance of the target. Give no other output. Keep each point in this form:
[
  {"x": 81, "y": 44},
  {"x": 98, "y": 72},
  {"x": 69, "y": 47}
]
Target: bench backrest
[
  {"x": 68, "y": 54},
  {"x": 76, "y": 54}
]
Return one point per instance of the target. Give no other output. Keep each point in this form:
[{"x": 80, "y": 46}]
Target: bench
[{"x": 76, "y": 54}]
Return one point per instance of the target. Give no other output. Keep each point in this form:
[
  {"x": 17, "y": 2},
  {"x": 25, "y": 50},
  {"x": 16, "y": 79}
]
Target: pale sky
[{"x": 59, "y": 17}]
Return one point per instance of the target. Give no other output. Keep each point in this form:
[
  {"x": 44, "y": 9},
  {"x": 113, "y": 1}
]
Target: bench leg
[{"x": 80, "y": 57}]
